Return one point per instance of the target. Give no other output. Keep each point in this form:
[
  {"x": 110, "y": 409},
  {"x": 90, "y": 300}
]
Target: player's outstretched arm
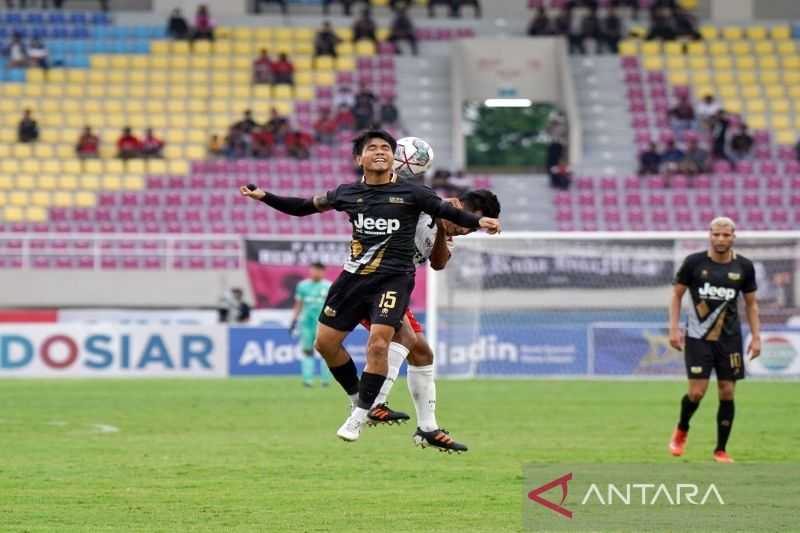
[
  {"x": 440, "y": 254},
  {"x": 438, "y": 208},
  {"x": 298, "y": 207}
]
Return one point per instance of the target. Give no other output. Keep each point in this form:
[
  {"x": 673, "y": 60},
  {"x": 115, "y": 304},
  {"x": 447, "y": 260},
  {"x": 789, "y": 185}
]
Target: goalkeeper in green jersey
[{"x": 309, "y": 297}]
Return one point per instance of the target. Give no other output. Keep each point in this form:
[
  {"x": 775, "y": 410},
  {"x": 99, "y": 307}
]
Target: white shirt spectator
[
  {"x": 344, "y": 96},
  {"x": 708, "y": 107}
]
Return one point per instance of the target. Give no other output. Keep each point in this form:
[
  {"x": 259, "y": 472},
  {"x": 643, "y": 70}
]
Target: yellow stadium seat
[
  {"x": 5, "y": 150},
  {"x": 284, "y": 47},
  {"x": 113, "y": 166},
  {"x": 62, "y": 199},
  {"x": 46, "y": 182},
  {"x": 179, "y": 62},
  {"x": 71, "y": 167},
  {"x": 282, "y": 92},
  {"x": 30, "y": 166},
  {"x": 791, "y": 62},
  {"x": 756, "y": 106},
  {"x": 219, "y": 63},
  {"x": 240, "y": 77},
  {"x": 263, "y": 34},
  {"x": 779, "y": 106},
  {"x": 175, "y": 136},
  {"x": 751, "y": 91},
  {"x": 262, "y": 91},
  {"x": 304, "y": 34},
  {"x": 745, "y": 63},
  {"x": 180, "y": 48},
  {"x": 382, "y": 34},
  {"x": 221, "y": 122},
  {"x": 41, "y": 198},
  {"x": 8, "y": 106},
  {"x": 740, "y": 48},
  {"x": 733, "y": 105},
  {"x": 718, "y": 48},
  {"x": 13, "y": 214},
  {"x": 324, "y": 78},
  {"x": 282, "y": 34},
  {"x": 732, "y": 33},
  {"x": 219, "y": 78},
  {"x": 303, "y": 63},
  {"x": 769, "y": 63},
  {"x": 111, "y": 182},
  {"x": 781, "y": 32},
  {"x": 709, "y": 32},
  {"x": 651, "y": 48},
  {"x": 218, "y": 106},
  {"x": 345, "y": 48},
  {"x": 261, "y": 108},
  {"x": 195, "y": 136},
  {"x": 89, "y": 183},
  {"x": 243, "y": 48},
  {"x": 6, "y": 182},
  {"x": 199, "y": 91},
  {"x": 728, "y": 91},
  {"x": 786, "y": 48},
  {"x": 628, "y": 47},
  {"x": 23, "y": 151},
  {"x": 200, "y": 62},
  {"x": 53, "y": 166},
  {"x": 195, "y": 152},
  {"x": 345, "y": 63},
  {"x": 157, "y": 166},
  {"x": 9, "y": 166},
  {"x": 18, "y": 198},
  {"x": 244, "y": 34},
  {"x": 159, "y": 63},
  {"x": 93, "y": 166},
  {"x": 221, "y": 47},
  {"x": 36, "y": 214},
  {"x": 35, "y": 76},
  {"x": 25, "y": 181},
  {"x": 85, "y": 199},
  {"x": 12, "y": 89},
  {"x": 138, "y": 76},
  {"x": 696, "y": 48},
  {"x": 780, "y": 122},
  {"x": 791, "y": 78},
  {"x": 100, "y": 62},
  {"x": 701, "y": 77},
  {"x": 764, "y": 48},
  {"x": 756, "y": 122},
  {"x": 133, "y": 183},
  {"x": 722, "y": 63},
  {"x": 653, "y": 63},
  {"x": 201, "y": 48},
  {"x": 676, "y": 63},
  {"x": 32, "y": 89},
  {"x": 786, "y": 137},
  {"x": 178, "y": 167},
  {"x": 221, "y": 91},
  {"x": 797, "y": 116},
  {"x": 160, "y": 47},
  {"x": 756, "y": 33},
  {"x": 224, "y": 33},
  {"x": 698, "y": 63},
  {"x": 769, "y": 77},
  {"x": 182, "y": 121},
  {"x": 139, "y": 62},
  {"x": 365, "y": 48},
  {"x": 135, "y": 166},
  {"x": 775, "y": 91},
  {"x": 304, "y": 93},
  {"x": 120, "y": 62},
  {"x": 116, "y": 76}
]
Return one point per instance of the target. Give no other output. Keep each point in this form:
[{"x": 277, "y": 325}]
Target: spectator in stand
[
  {"x": 685, "y": 24},
  {"x": 632, "y": 4},
  {"x": 177, "y": 27},
  {"x": 741, "y": 145},
  {"x": 16, "y": 52},
  {"x": 575, "y": 34},
  {"x": 278, "y": 125},
  {"x": 540, "y": 24},
  {"x": 326, "y": 41},
  {"x": 365, "y": 96},
  {"x": 152, "y": 146},
  {"x": 682, "y": 115},
  {"x": 298, "y": 144},
  {"x": 283, "y": 70},
  {"x": 203, "y": 26},
  {"x": 263, "y": 142},
  {"x": 246, "y": 124},
  {"x": 27, "y": 129},
  {"x": 661, "y": 28},
  {"x": 347, "y": 5},
  {"x": 562, "y": 23},
  {"x": 671, "y": 158},
  {"x": 345, "y": 121},
  {"x": 388, "y": 115},
  {"x": 242, "y": 134},
  {"x": 344, "y": 95},
  {"x": 695, "y": 161},
  {"x": 38, "y": 55},
  {"x": 237, "y": 143},
  {"x": 128, "y": 145},
  {"x": 561, "y": 175},
  {"x": 216, "y": 148},
  {"x": 611, "y": 31},
  {"x": 403, "y": 30},
  {"x": 364, "y": 114},
  {"x": 262, "y": 68},
  {"x": 325, "y": 127},
  {"x": 797, "y": 150},
  {"x": 719, "y": 135},
  {"x": 590, "y": 29},
  {"x": 649, "y": 161},
  {"x": 457, "y": 5},
  {"x": 365, "y": 28},
  {"x": 706, "y": 111},
  {"x": 88, "y": 146},
  {"x": 283, "y": 4}
]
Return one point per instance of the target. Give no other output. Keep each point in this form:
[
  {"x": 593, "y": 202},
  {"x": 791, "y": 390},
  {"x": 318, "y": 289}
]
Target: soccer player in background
[
  {"x": 715, "y": 278},
  {"x": 309, "y": 297},
  {"x": 434, "y": 243},
  {"x": 378, "y": 277}
]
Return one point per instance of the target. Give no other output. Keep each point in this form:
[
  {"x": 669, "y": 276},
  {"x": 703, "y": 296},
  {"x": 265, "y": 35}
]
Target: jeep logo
[
  {"x": 383, "y": 225},
  {"x": 716, "y": 293}
]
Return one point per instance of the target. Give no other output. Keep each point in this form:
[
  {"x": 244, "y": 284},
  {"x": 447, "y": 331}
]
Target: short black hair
[
  {"x": 361, "y": 141},
  {"x": 318, "y": 264},
  {"x": 482, "y": 200}
]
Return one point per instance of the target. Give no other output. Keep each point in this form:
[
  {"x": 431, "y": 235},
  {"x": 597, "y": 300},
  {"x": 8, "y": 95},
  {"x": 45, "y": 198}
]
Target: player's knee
[
  {"x": 696, "y": 395},
  {"x": 377, "y": 347},
  {"x": 323, "y": 346},
  {"x": 421, "y": 355}
]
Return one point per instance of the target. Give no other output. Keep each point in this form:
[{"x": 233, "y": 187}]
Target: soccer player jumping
[
  {"x": 378, "y": 277},
  {"x": 713, "y": 340}
]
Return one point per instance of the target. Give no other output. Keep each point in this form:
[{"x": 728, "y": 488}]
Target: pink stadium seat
[
  {"x": 679, "y": 182},
  {"x": 774, "y": 199},
  {"x": 726, "y": 182},
  {"x": 610, "y": 200},
  {"x": 584, "y": 183},
  {"x": 656, "y": 182},
  {"x": 751, "y": 182},
  {"x": 745, "y": 167},
  {"x": 632, "y": 182},
  {"x": 751, "y": 200},
  {"x": 564, "y": 215},
  {"x": 774, "y": 183},
  {"x": 721, "y": 165},
  {"x": 657, "y": 200},
  {"x": 779, "y": 219},
  {"x": 763, "y": 152},
  {"x": 562, "y": 199},
  {"x": 794, "y": 199},
  {"x": 727, "y": 200},
  {"x": 680, "y": 199},
  {"x": 659, "y": 216},
  {"x": 791, "y": 167},
  {"x": 586, "y": 199}
]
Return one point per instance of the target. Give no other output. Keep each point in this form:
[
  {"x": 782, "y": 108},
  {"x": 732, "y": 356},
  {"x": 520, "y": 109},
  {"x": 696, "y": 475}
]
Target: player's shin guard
[
  {"x": 347, "y": 376},
  {"x": 724, "y": 423},
  {"x": 368, "y": 389},
  {"x": 397, "y": 354},
  {"x": 422, "y": 387},
  {"x": 307, "y": 367},
  {"x": 688, "y": 407}
]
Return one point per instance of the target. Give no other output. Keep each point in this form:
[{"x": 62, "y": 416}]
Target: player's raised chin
[{"x": 377, "y": 156}]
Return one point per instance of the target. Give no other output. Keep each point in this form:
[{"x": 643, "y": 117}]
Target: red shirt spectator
[
  {"x": 202, "y": 19},
  {"x": 88, "y": 144},
  {"x": 263, "y": 141},
  {"x": 298, "y": 143},
  {"x": 151, "y": 145},
  {"x": 262, "y": 68},
  {"x": 344, "y": 118},
  {"x": 326, "y": 127},
  {"x": 283, "y": 70},
  {"x": 128, "y": 145}
]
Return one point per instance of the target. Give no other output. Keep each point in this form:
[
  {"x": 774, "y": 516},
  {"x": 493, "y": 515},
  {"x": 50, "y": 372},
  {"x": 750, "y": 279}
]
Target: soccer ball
[{"x": 412, "y": 158}]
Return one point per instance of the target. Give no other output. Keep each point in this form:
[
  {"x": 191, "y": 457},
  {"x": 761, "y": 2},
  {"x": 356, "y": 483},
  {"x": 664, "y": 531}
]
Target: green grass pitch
[{"x": 261, "y": 454}]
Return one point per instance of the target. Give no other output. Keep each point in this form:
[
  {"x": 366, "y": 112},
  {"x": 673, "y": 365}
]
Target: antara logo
[
  {"x": 716, "y": 293},
  {"x": 385, "y": 225}
]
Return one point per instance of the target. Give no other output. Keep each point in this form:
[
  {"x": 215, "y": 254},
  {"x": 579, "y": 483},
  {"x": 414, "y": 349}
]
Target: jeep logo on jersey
[
  {"x": 384, "y": 225},
  {"x": 716, "y": 293}
]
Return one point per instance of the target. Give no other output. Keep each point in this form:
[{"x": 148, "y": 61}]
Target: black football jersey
[
  {"x": 715, "y": 289},
  {"x": 384, "y": 219}
]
